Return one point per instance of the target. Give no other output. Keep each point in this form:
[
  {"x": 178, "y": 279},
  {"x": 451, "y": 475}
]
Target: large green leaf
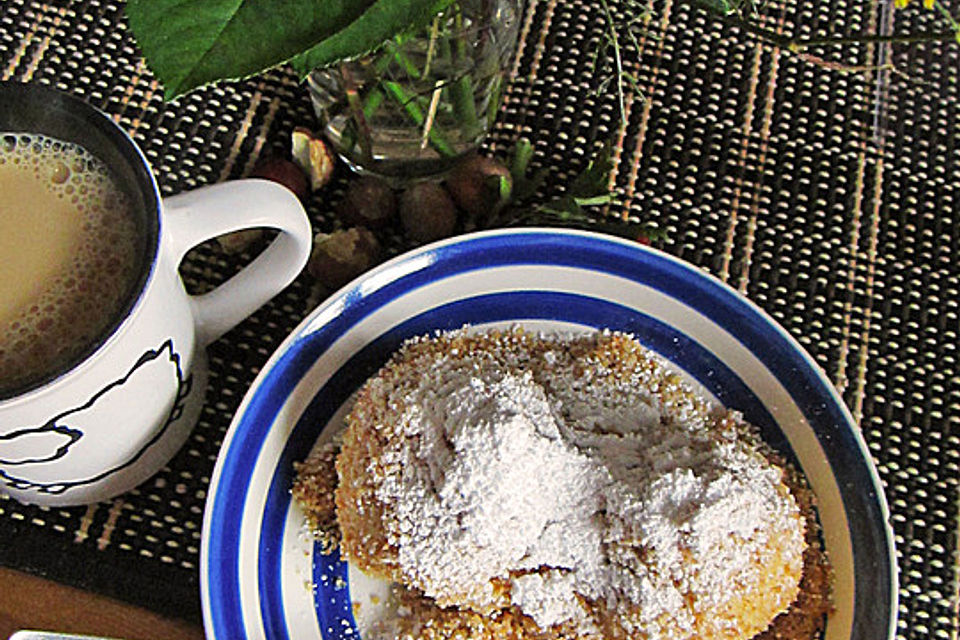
[
  {"x": 189, "y": 43},
  {"x": 381, "y": 21}
]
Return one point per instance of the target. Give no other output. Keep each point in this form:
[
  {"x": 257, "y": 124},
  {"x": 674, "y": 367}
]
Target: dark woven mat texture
[{"x": 827, "y": 195}]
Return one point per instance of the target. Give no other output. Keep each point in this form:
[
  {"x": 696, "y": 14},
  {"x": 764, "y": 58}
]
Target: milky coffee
[{"x": 68, "y": 256}]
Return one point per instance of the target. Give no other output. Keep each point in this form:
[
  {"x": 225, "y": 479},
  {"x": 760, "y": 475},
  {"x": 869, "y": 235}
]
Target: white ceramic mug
[{"x": 111, "y": 420}]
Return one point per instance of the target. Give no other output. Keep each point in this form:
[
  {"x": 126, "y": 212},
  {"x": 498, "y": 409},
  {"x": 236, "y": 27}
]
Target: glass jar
[{"x": 424, "y": 99}]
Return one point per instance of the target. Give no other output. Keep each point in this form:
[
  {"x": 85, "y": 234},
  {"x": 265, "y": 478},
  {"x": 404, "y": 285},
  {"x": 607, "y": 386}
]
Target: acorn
[
  {"x": 478, "y": 184},
  {"x": 369, "y": 201},
  {"x": 341, "y": 256},
  {"x": 427, "y": 212}
]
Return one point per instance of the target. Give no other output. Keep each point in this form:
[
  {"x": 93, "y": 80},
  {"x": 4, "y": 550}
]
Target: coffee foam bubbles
[{"x": 73, "y": 305}]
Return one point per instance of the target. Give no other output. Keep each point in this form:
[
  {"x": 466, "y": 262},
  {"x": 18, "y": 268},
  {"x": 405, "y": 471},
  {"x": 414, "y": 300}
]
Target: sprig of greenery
[
  {"x": 621, "y": 37},
  {"x": 579, "y": 205},
  {"x": 741, "y": 13},
  {"x": 624, "y": 28}
]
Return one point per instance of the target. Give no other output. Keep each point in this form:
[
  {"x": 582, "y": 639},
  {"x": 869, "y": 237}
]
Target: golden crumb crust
[
  {"x": 339, "y": 493},
  {"x": 314, "y": 488}
]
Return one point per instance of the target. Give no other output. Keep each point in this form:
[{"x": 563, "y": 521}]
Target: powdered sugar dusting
[{"x": 538, "y": 473}]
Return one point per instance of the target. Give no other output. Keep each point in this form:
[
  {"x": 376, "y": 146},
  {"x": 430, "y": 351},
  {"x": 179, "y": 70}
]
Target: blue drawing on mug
[{"x": 30, "y": 453}]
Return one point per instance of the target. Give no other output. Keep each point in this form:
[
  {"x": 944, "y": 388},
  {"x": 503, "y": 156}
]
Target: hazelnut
[
  {"x": 284, "y": 172},
  {"x": 369, "y": 201},
  {"x": 427, "y": 212},
  {"x": 313, "y": 156},
  {"x": 238, "y": 240},
  {"x": 478, "y": 184},
  {"x": 341, "y": 256}
]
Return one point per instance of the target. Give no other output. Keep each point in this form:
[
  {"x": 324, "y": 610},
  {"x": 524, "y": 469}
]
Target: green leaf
[
  {"x": 381, "y": 21},
  {"x": 593, "y": 181},
  {"x": 520, "y": 159},
  {"x": 524, "y": 185},
  {"x": 189, "y": 43}
]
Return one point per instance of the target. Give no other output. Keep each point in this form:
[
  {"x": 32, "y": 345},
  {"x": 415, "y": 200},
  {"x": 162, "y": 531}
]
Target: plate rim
[{"x": 410, "y": 261}]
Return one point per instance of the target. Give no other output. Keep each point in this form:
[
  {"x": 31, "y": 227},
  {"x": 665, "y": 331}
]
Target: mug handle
[{"x": 204, "y": 213}]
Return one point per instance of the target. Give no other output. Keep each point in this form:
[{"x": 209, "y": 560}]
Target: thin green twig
[
  {"x": 935, "y": 36},
  {"x": 617, "y": 58},
  {"x": 461, "y": 91},
  {"x": 370, "y": 102},
  {"x": 948, "y": 17},
  {"x": 431, "y": 46},
  {"x": 405, "y": 63},
  {"x": 414, "y": 111},
  {"x": 791, "y": 44},
  {"x": 364, "y": 134}
]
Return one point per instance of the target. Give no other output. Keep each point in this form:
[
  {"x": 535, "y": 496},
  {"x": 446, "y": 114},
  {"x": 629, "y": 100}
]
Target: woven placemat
[{"x": 826, "y": 194}]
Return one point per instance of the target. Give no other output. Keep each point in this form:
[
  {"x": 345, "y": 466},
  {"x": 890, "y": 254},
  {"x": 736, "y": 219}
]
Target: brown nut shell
[
  {"x": 470, "y": 184},
  {"x": 312, "y": 154},
  {"x": 341, "y": 256},
  {"x": 284, "y": 172},
  {"x": 427, "y": 212},
  {"x": 369, "y": 201}
]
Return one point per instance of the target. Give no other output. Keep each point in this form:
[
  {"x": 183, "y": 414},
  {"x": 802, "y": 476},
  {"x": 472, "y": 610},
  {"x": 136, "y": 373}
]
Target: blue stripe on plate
[
  {"x": 336, "y": 615},
  {"x": 227, "y": 512},
  {"x": 596, "y": 253}
]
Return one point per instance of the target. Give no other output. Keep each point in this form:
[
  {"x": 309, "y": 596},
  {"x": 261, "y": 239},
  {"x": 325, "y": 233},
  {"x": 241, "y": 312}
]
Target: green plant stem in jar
[{"x": 423, "y": 99}]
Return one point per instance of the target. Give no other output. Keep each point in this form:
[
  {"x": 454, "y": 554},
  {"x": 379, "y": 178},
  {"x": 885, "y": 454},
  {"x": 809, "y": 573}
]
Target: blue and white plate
[{"x": 261, "y": 575}]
